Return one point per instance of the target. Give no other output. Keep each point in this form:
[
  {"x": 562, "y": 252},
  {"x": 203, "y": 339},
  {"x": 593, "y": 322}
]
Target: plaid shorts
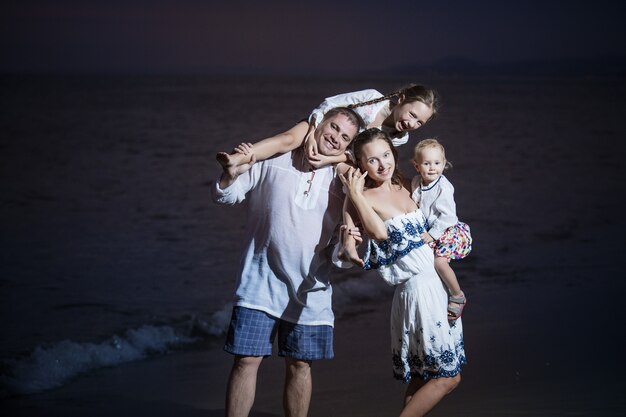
[{"x": 252, "y": 333}]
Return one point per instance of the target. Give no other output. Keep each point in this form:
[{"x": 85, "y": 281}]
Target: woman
[{"x": 427, "y": 350}]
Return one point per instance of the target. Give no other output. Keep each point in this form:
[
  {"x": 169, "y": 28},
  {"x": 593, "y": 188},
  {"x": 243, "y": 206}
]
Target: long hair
[{"x": 408, "y": 94}]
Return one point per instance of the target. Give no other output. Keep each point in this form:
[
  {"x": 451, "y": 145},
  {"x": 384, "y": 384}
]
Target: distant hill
[{"x": 461, "y": 66}]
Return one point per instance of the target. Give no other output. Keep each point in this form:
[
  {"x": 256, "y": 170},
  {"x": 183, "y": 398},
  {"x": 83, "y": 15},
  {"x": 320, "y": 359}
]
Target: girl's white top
[
  {"x": 436, "y": 201},
  {"x": 368, "y": 113}
]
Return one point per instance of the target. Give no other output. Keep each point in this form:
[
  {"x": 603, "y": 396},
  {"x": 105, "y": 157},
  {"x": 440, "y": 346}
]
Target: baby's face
[{"x": 430, "y": 164}]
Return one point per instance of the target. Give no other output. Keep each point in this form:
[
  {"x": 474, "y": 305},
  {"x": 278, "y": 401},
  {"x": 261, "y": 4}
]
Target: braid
[{"x": 376, "y": 100}]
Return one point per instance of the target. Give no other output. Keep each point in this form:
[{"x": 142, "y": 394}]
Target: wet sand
[{"x": 524, "y": 360}]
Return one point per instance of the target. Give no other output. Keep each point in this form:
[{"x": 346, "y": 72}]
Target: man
[{"x": 283, "y": 287}]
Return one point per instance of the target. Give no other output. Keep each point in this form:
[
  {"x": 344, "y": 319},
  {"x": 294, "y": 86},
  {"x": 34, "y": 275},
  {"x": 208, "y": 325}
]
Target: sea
[{"x": 111, "y": 250}]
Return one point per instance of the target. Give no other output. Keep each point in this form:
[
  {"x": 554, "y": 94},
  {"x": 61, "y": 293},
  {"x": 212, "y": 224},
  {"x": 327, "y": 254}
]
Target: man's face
[{"x": 334, "y": 135}]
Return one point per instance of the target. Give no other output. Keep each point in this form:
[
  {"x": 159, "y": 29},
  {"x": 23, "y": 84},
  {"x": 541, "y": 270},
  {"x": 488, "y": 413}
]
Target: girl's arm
[
  {"x": 266, "y": 148},
  {"x": 318, "y": 160},
  {"x": 371, "y": 221}
]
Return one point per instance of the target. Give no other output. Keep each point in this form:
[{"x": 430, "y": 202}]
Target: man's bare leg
[
  {"x": 242, "y": 385},
  {"x": 298, "y": 386}
]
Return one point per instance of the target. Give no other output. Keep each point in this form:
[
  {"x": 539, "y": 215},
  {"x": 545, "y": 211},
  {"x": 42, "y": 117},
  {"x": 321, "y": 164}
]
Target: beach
[
  {"x": 504, "y": 377},
  {"x": 117, "y": 270}
]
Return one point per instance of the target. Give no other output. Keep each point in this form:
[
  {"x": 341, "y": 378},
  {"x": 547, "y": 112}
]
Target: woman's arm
[{"x": 371, "y": 221}]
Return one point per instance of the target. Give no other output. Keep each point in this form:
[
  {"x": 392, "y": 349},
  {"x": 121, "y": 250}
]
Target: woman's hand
[
  {"x": 347, "y": 251},
  {"x": 354, "y": 181},
  {"x": 355, "y": 232}
]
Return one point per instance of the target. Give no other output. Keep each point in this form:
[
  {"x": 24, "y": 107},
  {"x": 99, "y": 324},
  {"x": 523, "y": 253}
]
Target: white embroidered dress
[{"x": 423, "y": 343}]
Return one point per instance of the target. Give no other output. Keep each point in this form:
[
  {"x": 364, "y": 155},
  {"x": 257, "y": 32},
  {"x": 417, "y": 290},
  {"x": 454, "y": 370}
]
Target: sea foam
[
  {"x": 51, "y": 366},
  {"x": 48, "y": 367}
]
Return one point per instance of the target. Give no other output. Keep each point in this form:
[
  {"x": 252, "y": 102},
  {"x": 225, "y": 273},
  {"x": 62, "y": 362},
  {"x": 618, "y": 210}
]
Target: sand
[
  {"x": 536, "y": 172},
  {"x": 521, "y": 363}
]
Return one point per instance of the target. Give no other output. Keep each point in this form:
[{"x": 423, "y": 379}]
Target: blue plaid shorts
[{"x": 252, "y": 333}]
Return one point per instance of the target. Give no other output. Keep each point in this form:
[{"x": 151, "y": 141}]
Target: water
[{"x": 112, "y": 249}]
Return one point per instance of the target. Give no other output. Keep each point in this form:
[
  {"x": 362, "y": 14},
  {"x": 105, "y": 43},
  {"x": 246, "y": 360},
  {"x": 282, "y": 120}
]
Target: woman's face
[
  {"x": 377, "y": 160},
  {"x": 410, "y": 116}
]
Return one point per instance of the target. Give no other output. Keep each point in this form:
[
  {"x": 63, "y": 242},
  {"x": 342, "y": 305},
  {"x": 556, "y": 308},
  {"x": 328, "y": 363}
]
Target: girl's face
[
  {"x": 377, "y": 160},
  {"x": 410, "y": 116},
  {"x": 430, "y": 164}
]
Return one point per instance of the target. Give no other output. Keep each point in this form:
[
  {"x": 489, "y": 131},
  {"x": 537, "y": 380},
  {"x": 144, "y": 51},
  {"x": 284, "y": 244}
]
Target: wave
[{"x": 48, "y": 367}]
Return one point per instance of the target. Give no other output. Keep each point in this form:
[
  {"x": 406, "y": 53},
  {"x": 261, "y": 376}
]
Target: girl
[
  {"x": 449, "y": 238},
  {"x": 427, "y": 353},
  {"x": 397, "y": 113}
]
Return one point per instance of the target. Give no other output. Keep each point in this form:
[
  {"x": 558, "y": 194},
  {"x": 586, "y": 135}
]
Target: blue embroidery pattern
[
  {"x": 444, "y": 362},
  {"x": 400, "y": 242}
]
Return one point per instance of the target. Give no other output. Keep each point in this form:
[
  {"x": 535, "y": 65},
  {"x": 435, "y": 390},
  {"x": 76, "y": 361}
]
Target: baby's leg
[
  {"x": 348, "y": 252},
  {"x": 442, "y": 265}
]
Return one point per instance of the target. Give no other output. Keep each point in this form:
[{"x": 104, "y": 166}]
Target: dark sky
[{"x": 324, "y": 36}]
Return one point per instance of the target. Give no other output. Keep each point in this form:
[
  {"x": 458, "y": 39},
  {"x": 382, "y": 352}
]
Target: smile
[{"x": 331, "y": 144}]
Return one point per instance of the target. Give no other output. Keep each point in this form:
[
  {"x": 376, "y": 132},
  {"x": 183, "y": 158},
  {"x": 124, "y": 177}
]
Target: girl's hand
[
  {"x": 319, "y": 160},
  {"x": 243, "y": 148},
  {"x": 310, "y": 144}
]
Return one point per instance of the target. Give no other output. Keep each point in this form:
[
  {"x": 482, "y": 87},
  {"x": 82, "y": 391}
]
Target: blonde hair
[{"x": 430, "y": 143}]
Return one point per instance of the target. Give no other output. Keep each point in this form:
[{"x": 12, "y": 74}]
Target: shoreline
[{"x": 504, "y": 375}]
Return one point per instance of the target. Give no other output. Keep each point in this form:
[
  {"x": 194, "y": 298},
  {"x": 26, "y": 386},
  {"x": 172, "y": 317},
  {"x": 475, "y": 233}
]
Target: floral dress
[{"x": 423, "y": 343}]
